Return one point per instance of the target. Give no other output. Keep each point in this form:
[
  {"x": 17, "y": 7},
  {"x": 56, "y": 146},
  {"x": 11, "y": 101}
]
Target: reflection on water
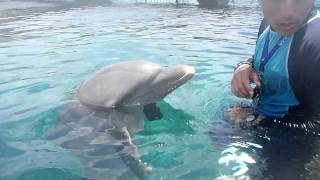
[
  {"x": 47, "y": 48},
  {"x": 24, "y": 7},
  {"x": 267, "y": 153}
]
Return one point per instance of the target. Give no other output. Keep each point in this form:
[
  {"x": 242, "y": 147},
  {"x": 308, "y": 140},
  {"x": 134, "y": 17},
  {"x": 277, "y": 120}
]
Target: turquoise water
[{"x": 47, "y": 52}]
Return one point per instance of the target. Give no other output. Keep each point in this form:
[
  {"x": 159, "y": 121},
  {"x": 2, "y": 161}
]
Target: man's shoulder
[{"x": 309, "y": 33}]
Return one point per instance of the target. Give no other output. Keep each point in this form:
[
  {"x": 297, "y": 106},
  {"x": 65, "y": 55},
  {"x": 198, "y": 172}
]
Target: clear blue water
[{"x": 47, "y": 51}]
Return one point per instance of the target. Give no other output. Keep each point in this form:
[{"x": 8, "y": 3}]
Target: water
[{"x": 47, "y": 49}]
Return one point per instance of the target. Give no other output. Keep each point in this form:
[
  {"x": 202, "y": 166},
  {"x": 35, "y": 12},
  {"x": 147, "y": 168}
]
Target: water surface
[{"x": 48, "y": 48}]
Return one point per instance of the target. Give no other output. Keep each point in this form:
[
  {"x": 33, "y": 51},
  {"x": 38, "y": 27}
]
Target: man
[{"x": 285, "y": 67}]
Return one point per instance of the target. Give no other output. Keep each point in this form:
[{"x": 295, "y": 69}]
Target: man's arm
[{"x": 244, "y": 74}]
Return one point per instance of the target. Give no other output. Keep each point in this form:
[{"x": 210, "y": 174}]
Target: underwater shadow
[{"x": 174, "y": 121}]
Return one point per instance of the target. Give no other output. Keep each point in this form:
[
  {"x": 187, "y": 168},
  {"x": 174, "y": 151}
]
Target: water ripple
[{"x": 46, "y": 53}]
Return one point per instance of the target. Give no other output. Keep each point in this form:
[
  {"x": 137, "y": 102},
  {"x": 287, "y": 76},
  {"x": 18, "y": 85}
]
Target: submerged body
[{"x": 98, "y": 127}]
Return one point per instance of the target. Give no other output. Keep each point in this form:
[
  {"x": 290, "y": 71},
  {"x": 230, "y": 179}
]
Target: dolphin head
[
  {"x": 161, "y": 81},
  {"x": 132, "y": 83}
]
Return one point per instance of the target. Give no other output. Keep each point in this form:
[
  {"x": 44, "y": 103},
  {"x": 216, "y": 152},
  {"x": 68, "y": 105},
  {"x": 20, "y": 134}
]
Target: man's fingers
[
  {"x": 240, "y": 84},
  {"x": 234, "y": 88},
  {"x": 242, "y": 90},
  {"x": 246, "y": 84},
  {"x": 238, "y": 87},
  {"x": 256, "y": 79}
]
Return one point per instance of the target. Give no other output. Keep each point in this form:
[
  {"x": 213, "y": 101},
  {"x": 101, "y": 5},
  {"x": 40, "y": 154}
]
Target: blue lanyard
[{"x": 266, "y": 56}]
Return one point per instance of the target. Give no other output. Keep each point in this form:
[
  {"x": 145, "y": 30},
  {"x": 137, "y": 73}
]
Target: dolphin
[{"x": 109, "y": 107}]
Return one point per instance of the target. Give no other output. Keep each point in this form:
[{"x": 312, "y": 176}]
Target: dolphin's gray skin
[
  {"x": 98, "y": 126},
  {"x": 132, "y": 83}
]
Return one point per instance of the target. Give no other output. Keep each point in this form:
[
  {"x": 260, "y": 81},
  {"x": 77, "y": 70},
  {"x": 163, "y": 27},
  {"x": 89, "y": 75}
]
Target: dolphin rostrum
[{"x": 110, "y": 107}]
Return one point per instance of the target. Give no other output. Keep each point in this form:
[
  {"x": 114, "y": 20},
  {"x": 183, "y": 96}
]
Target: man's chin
[{"x": 286, "y": 33}]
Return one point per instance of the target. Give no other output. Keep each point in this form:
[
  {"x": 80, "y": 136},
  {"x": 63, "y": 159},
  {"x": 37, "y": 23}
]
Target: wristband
[{"x": 248, "y": 61}]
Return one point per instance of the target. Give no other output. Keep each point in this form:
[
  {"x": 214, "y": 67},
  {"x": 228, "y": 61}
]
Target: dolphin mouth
[{"x": 189, "y": 72}]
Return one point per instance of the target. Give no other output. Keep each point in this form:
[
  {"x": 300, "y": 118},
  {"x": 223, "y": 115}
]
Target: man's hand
[
  {"x": 236, "y": 116},
  {"x": 240, "y": 84},
  {"x": 239, "y": 116}
]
